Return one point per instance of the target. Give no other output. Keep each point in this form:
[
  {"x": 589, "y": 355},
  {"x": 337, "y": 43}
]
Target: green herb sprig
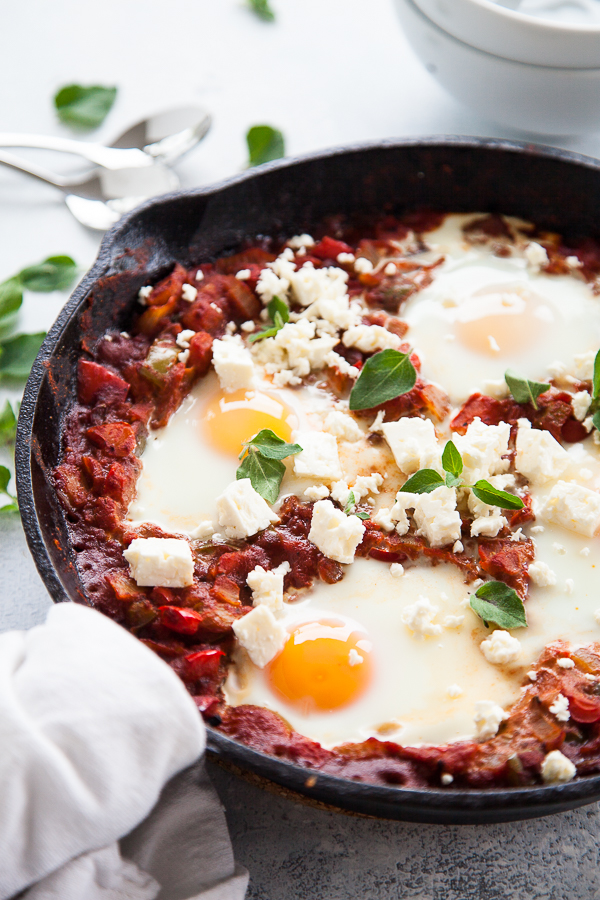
[
  {"x": 385, "y": 376},
  {"x": 84, "y": 108},
  {"x": 524, "y": 390},
  {"x": 262, "y": 10},
  {"x": 263, "y": 462},
  {"x": 496, "y": 602},
  {"x": 279, "y": 315},
  {"x": 265, "y": 143},
  {"x": 426, "y": 480}
]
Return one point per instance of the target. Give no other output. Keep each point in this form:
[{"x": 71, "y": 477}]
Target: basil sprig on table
[
  {"x": 262, "y": 462},
  {"x": 385, "y": 376},
  {"x": 496, "y": 602},
  {"x": 265, "y": 143},
  {"x": 84, "y": 107},
  {"x": 426, "y": 480},
  {"x": 524, "y": 390},
  {"x": 262, "y": 10},
  {"x": 279, "y": 315}
]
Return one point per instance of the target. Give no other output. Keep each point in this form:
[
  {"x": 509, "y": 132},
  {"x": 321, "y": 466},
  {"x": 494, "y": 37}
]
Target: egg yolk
[
  {"x": 502, "y": 320},
  {"x": 232, "y": 419},
  {"x": 323, "y": 666}
]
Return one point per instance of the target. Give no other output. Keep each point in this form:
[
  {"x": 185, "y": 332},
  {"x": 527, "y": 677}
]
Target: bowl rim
[{"x": 433, "y": 805}]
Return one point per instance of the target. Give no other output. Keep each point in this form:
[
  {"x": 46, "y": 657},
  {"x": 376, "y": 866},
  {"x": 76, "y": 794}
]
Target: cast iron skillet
[{"x": 554, "y": 188}]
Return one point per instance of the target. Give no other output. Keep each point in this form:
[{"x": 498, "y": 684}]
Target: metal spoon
[
  {"x": 99, "y": 198},
  {"x": 162, "y": 137}
]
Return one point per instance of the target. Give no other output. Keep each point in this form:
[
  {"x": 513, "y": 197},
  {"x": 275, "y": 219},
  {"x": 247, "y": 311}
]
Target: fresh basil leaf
[
  {"x": 524, "y": 390},
  {"x": 596, "y": 378},
  {"x": 271, "y": 446},
  {"x": 279, "y": 307},
  {"x": 11, "y": 297},
  {"x": 56, "y": 273},
  {"x": 487, "y": 493},
  {"x": 262, "y": 9},
  {"x": 84, "y": 107},
  {"x": 5, "y": 477},
  {"x": 350, "y": 504},
  {"x": 496, "y": 602},
  {"x": 264, "y": 144},
  {"x": 8, "y": 424},
  {"x": 596, "y": 420},
  {"x": 18, "y": 353},
  {"x": 384, "y": 376},
  {"x": 362, "y": 515},
  {"x": 265, "y": 474},
  {"x": 452, "y": 460},
  {"x": 423, "y": 482}
]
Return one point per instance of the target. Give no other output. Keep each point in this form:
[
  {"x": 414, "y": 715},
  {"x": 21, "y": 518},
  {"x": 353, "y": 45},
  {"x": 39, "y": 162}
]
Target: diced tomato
[
  {"x": 96, "y": 382},
  {"x": 183, "y": 621}
]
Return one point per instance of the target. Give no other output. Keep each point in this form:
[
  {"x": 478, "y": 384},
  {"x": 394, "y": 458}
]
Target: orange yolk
[
  {"x": 323, "y": 666},
  {"x": 232, "y": 419},
  {"x": 502, "y": 320}
]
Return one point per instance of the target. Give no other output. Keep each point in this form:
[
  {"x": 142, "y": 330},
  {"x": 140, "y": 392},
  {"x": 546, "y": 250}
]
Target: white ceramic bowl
[
  {"x": 488, "y": 26},
  {"x": 539, "y": 99}
]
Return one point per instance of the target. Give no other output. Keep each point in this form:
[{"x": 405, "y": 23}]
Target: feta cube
[
  {"x": 482, "y": 448},
  {"x": 437, "y": 518},
  {"x": 160, "y": 562},
  {"x": 267, "y": 585},
  {"x": 242, "y": 511},
  {"x": 334, "y": 533},
  {"x": 557, "y": 768},
  {"x": 501, "y": 648},
  {"x": 260, "y": 634},
  {"x": 540, "y": 457},
  {"x": 488, "y": 718},
  {"x": 233, "y": 364},
  {"x": 574, "y": 507},
  {"x": 413, "y": 443},
  {"x": 342, "y": 426},
  {"x": 541, "y": 574},
  {"x": 319, "y": 457}
]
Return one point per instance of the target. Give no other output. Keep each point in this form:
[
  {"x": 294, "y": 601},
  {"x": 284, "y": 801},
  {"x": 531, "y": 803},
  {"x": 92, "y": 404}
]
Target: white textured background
[{"x": 327, "y": 72}]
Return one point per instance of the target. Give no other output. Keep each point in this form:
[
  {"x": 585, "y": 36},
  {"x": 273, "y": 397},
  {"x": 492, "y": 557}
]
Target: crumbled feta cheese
[
  {"x": 458, "y": 547},
  {"x": 447, "y": 778},
  {"x": 144, "y": 293},
  {"x": 184, "y": 337},
  {"x": 565, "y": 663},
  {"x": 233, "y": 363},
  {"x": 540, "y": 457},
  {"x": 301, "y": 240},
  {"x": 370, "y": 338},
  {"x": 585, "y": 551},
  {"x": 316, "y": 492},
  {"x": 419, "y": 616},
  {"x": 243, "y": 274},
  {"x": 342, "y": 426},
  {"x": 454, "y": 691},
  {"x": 334, "y": 533},
  {"x": 160, "y": 562},
  {"x": 267, "y": 585},
  {"x": 584, "y": 365},
  {"x": 242, "y": 511},
  {"x": 536, "y": 256},
  {"x": 363, "y": 265},
  {"x": 345, "y": 259},
  {"x": 560, "y": 708},
  {"x": 541, "y": 574},
  {"x": 488, "y": 718},
  {"x": 569, "y": 586},
  {"x": 189, "y": 292},
  {"x": 248, "y": 326},
  {"x": 354, "y": 658},
  {"x": 203, "y": 530},
  {"x": 319, "y": 457},
  {"x": 481, "y": 448},
  {"x": 414, "y": 444},
  {"x": 260, "y": 634},
  {"x": 390, "y": 269},
  {"x": 453, "y": 621},
  {"x": 574, "y": 507},
  {"x": 501, "y": 648},
  {"x": 557, "y": 768},
  {"x": 199, "y": 275},
  {"x": 437, "y": 518},
  {"x": 581, "y": 403}
]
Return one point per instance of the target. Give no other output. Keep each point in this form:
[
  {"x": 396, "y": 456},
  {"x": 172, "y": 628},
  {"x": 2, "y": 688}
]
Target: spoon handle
[{"x": 108, "y": 157}]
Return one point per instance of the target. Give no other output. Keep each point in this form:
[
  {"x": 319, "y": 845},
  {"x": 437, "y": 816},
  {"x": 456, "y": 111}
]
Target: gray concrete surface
[{"x": 294, "y": 852}]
